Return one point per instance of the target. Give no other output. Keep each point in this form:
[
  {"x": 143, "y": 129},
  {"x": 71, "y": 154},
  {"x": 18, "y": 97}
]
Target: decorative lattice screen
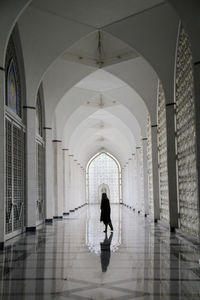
[
  {"x": 149, "y": 166},
  {"x": 103, "y": 172},
  {"x": 162, "y": 156},
  {"x": 185, "y": 127},
  {"x": 14, "y": 177}
]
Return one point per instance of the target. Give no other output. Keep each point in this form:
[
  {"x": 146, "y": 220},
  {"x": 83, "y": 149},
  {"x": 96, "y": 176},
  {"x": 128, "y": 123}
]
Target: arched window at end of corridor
[{"x": 103, "y": 176}]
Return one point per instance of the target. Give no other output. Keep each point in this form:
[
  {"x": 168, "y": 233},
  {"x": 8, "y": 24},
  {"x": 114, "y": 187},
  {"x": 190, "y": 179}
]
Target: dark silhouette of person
[
  {"x": 105, "y": 212},
  {"x": 105, "y": 252}
]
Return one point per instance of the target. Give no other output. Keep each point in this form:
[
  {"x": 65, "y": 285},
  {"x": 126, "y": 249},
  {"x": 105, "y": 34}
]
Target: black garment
[
  {"x": 105, "y": 252},
  {"x": 105, "y": 211}
]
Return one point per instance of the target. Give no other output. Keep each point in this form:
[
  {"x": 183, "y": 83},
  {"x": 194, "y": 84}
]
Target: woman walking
[{"x": 105, "y": 212}]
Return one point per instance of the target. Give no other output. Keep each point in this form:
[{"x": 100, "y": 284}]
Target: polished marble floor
[{"x": 74, "y": 259}]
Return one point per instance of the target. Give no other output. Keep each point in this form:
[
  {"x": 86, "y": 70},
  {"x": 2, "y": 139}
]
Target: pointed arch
[{"x": 103, "y": 168}]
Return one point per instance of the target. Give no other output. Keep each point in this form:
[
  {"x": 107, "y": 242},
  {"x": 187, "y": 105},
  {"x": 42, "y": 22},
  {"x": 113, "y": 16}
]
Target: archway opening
[{"x": 103, "y": 176}]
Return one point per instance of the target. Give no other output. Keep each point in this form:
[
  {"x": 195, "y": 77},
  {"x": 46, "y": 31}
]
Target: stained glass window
[
  {"x": 12, "y": 87},
  {"x": 103, "y": 177},
  {"x": 13, "y": 80}
]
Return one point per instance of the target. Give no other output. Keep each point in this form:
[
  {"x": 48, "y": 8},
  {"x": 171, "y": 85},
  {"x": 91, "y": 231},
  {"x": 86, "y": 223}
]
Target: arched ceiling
[
  {"x": 65, "y": 42},
  {"x": 102, "y": 129},
  {"x": 61, "y": 24},
  {"x": 95, "y": 13},
  {"x": 99, "y": 89},
  {"x": 101, "y": 111}
]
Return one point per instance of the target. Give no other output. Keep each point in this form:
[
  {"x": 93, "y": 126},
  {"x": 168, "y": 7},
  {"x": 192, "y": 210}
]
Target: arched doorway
[
  {"x": 104, "y": 188},
  {"x": 103, "y": 175}
]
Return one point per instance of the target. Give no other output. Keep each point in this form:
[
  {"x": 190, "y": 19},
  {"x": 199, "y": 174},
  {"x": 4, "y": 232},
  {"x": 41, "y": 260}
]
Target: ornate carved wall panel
[
  {"x": 162, "y": 156},
  {"x": 149, "y": 166},
  {"x": 185, "y": 127}
]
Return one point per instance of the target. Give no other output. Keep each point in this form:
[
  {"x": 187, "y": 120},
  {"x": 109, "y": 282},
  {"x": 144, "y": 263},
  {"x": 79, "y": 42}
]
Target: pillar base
[
  {"x": 48, "y": 221},
  {"x": 138, "y": 211},
  {"x": 31, "y": 229},
  {"x": 66, "y": 214},
  {"x": 155, "y": 221},
  {"x": 172, "y": 229},
  {"x": 145, "y": 215},
  {"x": 72, "y": 210},
  {"x": 58, "y": 217},
  {"x": 1, "y": 245}
]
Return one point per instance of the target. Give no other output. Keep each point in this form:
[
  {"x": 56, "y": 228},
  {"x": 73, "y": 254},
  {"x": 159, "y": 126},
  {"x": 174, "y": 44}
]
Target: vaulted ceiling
[{"x": 99, "y": 62}]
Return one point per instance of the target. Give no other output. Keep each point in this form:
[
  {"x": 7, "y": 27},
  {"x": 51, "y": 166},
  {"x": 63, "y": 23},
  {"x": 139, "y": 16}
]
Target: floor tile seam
[
  {"x": 125, "y": 297},
  {"x": 131, "y": 267},
  {"x": 95, "y": 255},
  {"x": 133, "y": 279},
  {"x": 122, "y": 260}
]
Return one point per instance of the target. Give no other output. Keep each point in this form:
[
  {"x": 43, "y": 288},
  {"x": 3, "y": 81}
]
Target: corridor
[{"x": 71, "y": 259}]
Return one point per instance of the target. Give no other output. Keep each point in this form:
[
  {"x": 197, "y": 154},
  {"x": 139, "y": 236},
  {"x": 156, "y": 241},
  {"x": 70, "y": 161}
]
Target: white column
[
  {"x": 122, "y": 181},
  {"x": 134, "y": 180},
  {"x": 139, "y": 184},
  {"x": 155, "y": 170},
  {"x": 49, "y": 159},
  {"x": 84, "y": 185},
  {"x": 2, "y": 158},
  {"x": 64, "y": 178},
  {"x": 124, "y": 185},
  {"x": 71, "y": 182},
  {"x": 66, "y": 181},
  {"x": 145, "y": 176},
  {"x": 75, "y": 184},
  {"x": 58, "y": 178},
  {"x": 127, "y": 184},
  {"x": 78, "y": 185},
  {"x": 80, "y": 191},
  {"x": 31, "y": 169},
  {"x": 130, "y": 186}
]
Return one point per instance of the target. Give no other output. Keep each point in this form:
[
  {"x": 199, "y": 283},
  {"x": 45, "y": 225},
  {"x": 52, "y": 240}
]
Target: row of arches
[{"x": 56, "y": 120}]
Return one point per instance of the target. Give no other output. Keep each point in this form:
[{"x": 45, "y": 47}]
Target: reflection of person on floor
[
  {"x": 105, "y": 212},
  {"x": 105, "y": 252}
]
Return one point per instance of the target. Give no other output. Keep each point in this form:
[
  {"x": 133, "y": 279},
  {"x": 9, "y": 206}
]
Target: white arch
[{"x": 118, "y": 187}]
